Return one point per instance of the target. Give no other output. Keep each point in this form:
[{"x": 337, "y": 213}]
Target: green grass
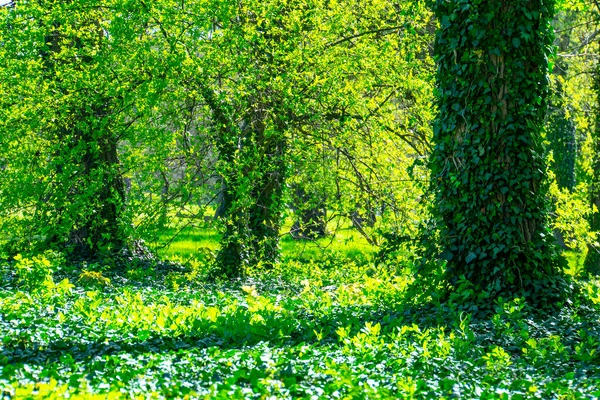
[
  {"x": 189, "y": 242},
  {"x": 195, "y": 240}
]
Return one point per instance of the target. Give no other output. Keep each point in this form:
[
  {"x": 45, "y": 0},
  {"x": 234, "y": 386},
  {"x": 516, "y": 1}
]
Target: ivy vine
[{"x": 488, "y": 169}]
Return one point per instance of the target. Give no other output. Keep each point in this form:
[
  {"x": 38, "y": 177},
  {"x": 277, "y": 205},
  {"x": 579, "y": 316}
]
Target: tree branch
[{"x": 348, "y": 38}]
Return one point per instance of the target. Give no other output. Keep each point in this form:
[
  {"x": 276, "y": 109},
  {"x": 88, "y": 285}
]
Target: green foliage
[
  {"x": 32, "y": 273},
  {"x": 487, "y": 168},
  {"x": 572, "y": 212},
  {"x": 117, "y": 117},
  {"x": 330, "y": 334},
  {"x": 345, "y": 75},
  {"x": 82, "y": 133},
  {"x": 562, "y": 137},
  {"x": 122, "y": 120},
  {"x": 93, "y": 279},
  {"x": 592, "y": 262}
]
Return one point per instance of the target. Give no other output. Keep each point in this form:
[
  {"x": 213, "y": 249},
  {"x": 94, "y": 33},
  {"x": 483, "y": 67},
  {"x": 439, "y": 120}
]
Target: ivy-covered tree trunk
[
  {"x": 267, "y": 194},
  {"x": 487, "y": 167},
  {"x": 592, "y": 259},
  {"x": 253, "y": 168},
  {"x": 101, "y": 232},
  {"x": 86, "y": 153},
  {"x": 232, "y": 254}
]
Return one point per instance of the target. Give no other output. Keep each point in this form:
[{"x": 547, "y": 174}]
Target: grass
[{"x": 194, "y": 240}]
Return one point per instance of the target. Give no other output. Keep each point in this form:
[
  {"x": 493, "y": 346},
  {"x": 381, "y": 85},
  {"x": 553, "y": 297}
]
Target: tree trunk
[
  {"x": 232, "y": 255},
  {"x": 592, "y": 260},
  {"x": 104, "y": 228},
  {"x": 487, "y": 165},
  {"x": 99, "y": 187},
  {"x": 265, "y": 214}
]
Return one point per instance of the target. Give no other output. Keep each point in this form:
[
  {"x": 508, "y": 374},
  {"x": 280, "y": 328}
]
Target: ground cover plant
[{"x": 313, "y": 331}]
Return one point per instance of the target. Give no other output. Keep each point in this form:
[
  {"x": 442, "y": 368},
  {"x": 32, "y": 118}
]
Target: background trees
[
  {"x": 576, "y": 27},
  {"x": 163, "y": 102},
  {"x": 121, "y": 118},
  {"x": 284, "y": 82}
]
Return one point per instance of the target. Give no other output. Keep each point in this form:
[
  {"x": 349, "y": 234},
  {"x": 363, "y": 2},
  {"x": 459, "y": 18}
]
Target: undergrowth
[{"x": 329, "y": 329}]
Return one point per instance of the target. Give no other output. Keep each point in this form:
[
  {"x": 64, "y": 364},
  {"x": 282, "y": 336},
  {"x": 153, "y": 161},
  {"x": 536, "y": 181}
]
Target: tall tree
[
  {"x": 592, "y": 259},
  {"x": 487, "y": 167},
  {"x": 79, "y": 81},
  {"x": 79, "y": 146},
  {"x": 282, "y": 78},
  {"x": 251, "y": 127}
]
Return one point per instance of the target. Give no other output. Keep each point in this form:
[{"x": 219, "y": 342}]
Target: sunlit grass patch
[{"x": 195, "y": 239}]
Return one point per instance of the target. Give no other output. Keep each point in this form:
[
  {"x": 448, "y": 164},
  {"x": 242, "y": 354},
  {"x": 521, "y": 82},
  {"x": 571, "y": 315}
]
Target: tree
[
  {"x": 80, "y": 82},
  {"x": 78, "y": 151},
  {"x": 280, "y": 79},
  {"x": 128, "y": 108},
  {"x": 487, "y": 167},
  {"x": 592, "y": 260},
  {"x": 250, "y": 125}
]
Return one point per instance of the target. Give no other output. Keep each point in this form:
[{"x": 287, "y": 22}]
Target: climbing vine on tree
[
  {"x": 79, "y": 89},
  {"x": 487, "y": 167},
  {"x": 592, "y": 260}
]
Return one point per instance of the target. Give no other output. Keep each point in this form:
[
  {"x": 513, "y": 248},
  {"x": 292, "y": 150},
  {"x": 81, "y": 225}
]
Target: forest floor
[{"x": 337, "y": 326}]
